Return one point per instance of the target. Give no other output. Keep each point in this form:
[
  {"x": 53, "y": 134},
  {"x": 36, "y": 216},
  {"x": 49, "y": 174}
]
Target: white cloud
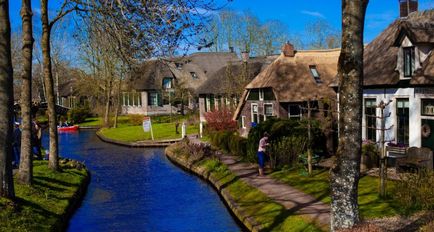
[{"x": 313, "y": 13}]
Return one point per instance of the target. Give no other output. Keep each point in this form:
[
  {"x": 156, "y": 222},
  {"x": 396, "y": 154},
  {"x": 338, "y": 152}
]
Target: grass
[
  {"x": 98, "y": 121},
  {"x": 42, "y": 206},
  {"x": 135, "y": 133},
  {"x": 254, "y": 203},
  {"x": 370, "y": 203}
]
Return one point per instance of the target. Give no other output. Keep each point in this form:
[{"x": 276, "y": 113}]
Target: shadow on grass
[
  {"x": 52, "y": 180},
  {"x": 35, "y": 207}
]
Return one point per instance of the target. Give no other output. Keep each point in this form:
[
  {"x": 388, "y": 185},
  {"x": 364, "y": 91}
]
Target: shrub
[
  {"x": 229, "y": 142},
  {"x": 415, "y": 191},
  {"x": 370, "y": 154},
  {"x": 280, "y": 128},
  {"x": 287, "y": 150},
  {"x": 220, "y": 120},
  {"x": 135, "y": 119},
  {"x": 78, "y": 115}
]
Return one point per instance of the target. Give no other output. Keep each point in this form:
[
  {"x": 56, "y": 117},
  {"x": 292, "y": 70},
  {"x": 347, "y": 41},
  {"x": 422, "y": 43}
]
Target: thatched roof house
[
  {"x": 192, "y": 71},
  {"x": 381, "y": 57},
  {"x": 286, "y": 84}
]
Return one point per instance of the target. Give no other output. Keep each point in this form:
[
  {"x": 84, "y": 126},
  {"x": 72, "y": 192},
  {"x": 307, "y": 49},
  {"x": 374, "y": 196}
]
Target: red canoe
[{"x": 68, "y": 128}]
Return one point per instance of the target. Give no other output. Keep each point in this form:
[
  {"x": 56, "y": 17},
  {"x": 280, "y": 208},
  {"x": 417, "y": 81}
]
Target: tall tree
[
  {"x": 346, "y": 172},
  {"x": 47, "y": 26},
  {"x": 6, "y": 103},
  {"x": 322, "y": 35},
  {"x": 26, "y": 165}
]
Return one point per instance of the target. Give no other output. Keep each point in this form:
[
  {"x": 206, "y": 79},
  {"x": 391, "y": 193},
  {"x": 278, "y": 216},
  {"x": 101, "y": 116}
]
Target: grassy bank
[
  {"x": 42, "y": 207},
  {"x": 254, "y": 204},
  {"x": 371, "y": 205},
  {"x": 161, "y": 131}
]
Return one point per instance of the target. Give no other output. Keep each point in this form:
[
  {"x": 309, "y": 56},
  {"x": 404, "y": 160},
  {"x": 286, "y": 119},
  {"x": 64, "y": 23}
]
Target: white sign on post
[{"x": 147, "y": 126}]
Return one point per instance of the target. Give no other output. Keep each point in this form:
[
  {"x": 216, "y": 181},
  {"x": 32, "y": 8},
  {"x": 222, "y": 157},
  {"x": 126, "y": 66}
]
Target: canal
[{"x": 137, "y": 189}]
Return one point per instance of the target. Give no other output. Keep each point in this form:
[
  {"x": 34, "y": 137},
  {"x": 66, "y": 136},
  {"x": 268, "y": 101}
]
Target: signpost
[{"x": 147, "y": 126}]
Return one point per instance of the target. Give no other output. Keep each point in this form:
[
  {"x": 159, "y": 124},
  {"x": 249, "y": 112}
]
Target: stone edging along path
[
  {"x": 247, "y": 221},
  {"x": 146, "y": 143}
]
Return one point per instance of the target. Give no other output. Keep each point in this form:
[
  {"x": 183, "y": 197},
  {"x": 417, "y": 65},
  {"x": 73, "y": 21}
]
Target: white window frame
[
  {"x": 261, "y": 94},
  {"x": 243, "y": 122},
  {"x": 257, "y": 111},
  {"x": 265, "y": 112},
  {"x": 294, "y": 116}
]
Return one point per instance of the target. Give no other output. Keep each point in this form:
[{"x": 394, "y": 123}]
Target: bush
[
  {"x": 220, "y": 120},
  {"x": 415, "y": 191},
  {"x": 280, "y": 128},
  {"x": 287, "y": 150},
  {"x": 370, "y": 155},
  {"x": 229, "y": 142},
  {"x": 78, "y": 115},
  {"x": 135, "y": 119}
]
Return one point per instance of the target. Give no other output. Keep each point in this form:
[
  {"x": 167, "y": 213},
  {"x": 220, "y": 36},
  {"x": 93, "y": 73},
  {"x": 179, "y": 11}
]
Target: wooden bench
[{"x": 416, "y": 159}]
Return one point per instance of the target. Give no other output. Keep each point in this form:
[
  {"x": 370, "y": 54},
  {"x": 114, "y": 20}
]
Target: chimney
[
  {"x": 245, "y": 56},
  {"x": 231, "y": 49},
  {"x": 406, "y": 7},
  {"x": 288, "y": 50}
]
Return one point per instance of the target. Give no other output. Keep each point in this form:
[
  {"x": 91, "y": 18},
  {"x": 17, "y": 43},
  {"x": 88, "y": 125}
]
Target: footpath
[{"x": 295, "y": 201}]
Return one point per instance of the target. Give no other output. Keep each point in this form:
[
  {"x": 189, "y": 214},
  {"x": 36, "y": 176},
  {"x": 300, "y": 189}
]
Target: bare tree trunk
[
  {"x": 6, "y": 103},
  {"x": 25, "y": 174},
  {"x": 118, "y": 103},
  {"x": 345, "y": 174},
  {"x": 48, "y": 80},
  {"x": 107, "y": 103}
]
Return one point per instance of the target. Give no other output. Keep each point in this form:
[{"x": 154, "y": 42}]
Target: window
[
  {"x": 243, "y": 122},
  {"x": 131, "y": 99},
  {"x": 178, "y": 65},
  {"x": 212, "y": 103},
  {"x": 261, "y": 95},
  {"x": 268, "y": 111},
  {"x": 370, "y": 119},
  {"x": 253, "y": 94},
  {"x": 153, "y": 99},
  {"x": 428, "y": 107},
  {"x": 408, "y": 61},
  {"x": 403, "y": 122},
  {"x": 268, "y": 94},
  {"x": 194, "y": 75},
  {"x": 255, "y": 117},
  {"x": 315, "y": 74},
  {"x": 294, "y": 111},
  {"x": 167, "y": 83}
]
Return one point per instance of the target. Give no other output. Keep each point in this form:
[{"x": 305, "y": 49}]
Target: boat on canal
[{"x": 68, "y": 128}]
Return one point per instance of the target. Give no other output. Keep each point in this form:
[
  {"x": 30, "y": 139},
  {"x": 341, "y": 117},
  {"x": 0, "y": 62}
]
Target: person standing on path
[
  {"x": 263, "y": 143},
  {"x": 16, "y": 144}
]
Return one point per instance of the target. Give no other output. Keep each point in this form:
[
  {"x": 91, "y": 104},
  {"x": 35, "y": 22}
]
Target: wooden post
[{"x": 383, "y": 158}]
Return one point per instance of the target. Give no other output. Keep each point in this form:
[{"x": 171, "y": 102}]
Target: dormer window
[
  {"x": 408, "y": 61},
  {"x": 167, "y": 83},
  {"x": 194, "y": 75},
  {"x": 178, "y": 65},
  {"x": 315, "y": 74}
]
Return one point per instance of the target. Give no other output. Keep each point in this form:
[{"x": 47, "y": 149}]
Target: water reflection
[{"x": 140, "y": 190}]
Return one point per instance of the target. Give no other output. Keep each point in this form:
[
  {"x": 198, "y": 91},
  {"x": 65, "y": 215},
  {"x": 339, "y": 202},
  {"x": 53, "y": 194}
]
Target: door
[{"x": 428, "y": 133}]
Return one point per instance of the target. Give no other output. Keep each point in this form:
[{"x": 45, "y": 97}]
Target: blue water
[{"x": 135, "y": 189}]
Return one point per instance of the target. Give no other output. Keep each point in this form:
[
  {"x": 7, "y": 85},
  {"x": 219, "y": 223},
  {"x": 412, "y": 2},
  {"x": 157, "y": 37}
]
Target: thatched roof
[
  {"x": 150, "y": 74},
  {"x": 291, "y": 78},
  {"x": 218, "y": 82},
  {"x": 380, "y": 57}
]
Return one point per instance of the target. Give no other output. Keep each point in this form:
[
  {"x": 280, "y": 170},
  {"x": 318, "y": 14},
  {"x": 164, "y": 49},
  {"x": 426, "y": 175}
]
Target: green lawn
[
  {"x": 135, "y": 133},
  {"x": 253, "y": 202},
  {"x": 98, "y": 121},
  {"x": 40, "y": 208},
  {"x": 371, "y": 205}
]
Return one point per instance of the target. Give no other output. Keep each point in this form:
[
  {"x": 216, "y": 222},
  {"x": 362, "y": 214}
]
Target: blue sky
[{"x": 294, "y": 13}]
